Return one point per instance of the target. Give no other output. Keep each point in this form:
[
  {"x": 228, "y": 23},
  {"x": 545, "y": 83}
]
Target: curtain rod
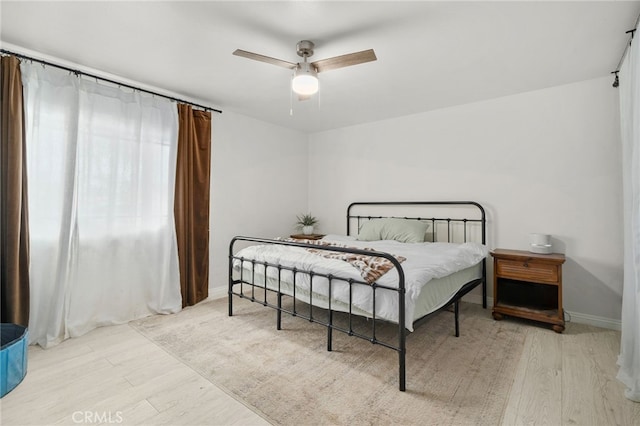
[
  {"x": 97, "y": 77},
  {"x": 624, "y": 52}
]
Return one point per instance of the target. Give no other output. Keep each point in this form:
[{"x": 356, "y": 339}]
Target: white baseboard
[
  {"x": 218, "y": 292},
  {"x": 596, "y": 321},
  {"x": 570, "y": 316}
]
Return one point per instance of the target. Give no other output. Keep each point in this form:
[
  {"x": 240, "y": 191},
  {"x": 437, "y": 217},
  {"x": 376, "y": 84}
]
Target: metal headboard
[{"x": 473, "y": 209}]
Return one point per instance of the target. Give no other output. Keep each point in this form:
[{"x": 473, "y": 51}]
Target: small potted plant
[{"x": 306, "y": 222}]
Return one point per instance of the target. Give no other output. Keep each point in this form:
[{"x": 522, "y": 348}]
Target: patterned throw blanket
[{"x": 371, "y": 267}]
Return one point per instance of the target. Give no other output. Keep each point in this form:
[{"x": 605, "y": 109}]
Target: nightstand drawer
[{"x": 527, "y": 271}]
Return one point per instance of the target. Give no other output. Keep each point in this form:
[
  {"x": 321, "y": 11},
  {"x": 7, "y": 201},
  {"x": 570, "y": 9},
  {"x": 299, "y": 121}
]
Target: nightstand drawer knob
[{"x": 525, "y": 264}]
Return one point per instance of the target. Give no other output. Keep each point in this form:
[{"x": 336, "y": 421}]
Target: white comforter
[{"x": 424, "y": 262}]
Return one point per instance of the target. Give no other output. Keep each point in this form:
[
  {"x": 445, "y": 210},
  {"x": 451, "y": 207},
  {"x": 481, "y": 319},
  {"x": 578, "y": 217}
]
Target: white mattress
[{"x": 434, "y": 272}]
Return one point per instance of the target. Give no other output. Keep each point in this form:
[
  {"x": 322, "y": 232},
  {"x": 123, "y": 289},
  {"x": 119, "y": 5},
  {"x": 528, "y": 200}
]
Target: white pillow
[{"x": 402, "y": 230}]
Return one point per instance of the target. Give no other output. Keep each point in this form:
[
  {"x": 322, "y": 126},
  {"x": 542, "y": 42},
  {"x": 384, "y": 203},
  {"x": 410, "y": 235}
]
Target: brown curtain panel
[
  {"x": 14, "y": 226},
  {"x": 192, "y": 202}
]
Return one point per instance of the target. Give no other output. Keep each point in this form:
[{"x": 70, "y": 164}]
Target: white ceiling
[{"x": 430, "y": 54}]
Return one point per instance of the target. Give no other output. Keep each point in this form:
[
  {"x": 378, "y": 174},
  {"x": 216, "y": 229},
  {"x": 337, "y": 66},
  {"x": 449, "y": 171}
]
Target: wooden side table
[
  {"x": 306, "y": 236},
  {"x": 528, "y": 285}
]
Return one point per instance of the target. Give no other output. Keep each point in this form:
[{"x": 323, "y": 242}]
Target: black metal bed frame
[{"x": 260, "y": 294}]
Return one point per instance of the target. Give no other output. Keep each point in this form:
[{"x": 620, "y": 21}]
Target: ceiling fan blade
[
  {"x": 344, "y": 60},
  {"x": 262, "y": 58}
]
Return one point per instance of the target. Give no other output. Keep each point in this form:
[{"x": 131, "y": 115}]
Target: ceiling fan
[{"x": 305, "y": 79}]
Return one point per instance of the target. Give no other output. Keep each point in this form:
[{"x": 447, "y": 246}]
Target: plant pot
[{"x": 307, "y": 230}]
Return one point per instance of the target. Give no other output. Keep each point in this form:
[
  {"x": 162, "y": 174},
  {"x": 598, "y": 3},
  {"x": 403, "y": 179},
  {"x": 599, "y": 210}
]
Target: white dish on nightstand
[{"x": 541, "y": 248}]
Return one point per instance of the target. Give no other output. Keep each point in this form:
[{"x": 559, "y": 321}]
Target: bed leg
[
  {"x": 484, "y": 294},
  {"x": 279, "y": 313},
  {"x": 230, "y": 304},
  {"x": 330, "y": 332},
  {"x": 456, "y": 310},
  {"x": 402, "y": 371}
]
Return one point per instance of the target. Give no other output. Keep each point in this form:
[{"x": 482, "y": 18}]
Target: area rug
[{"x": 288, "y": 377}]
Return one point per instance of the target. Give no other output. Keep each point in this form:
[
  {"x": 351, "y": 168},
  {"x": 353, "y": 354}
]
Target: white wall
[
  {"x": 258, "y": 185},
  {"x": 545, "y": 161}
]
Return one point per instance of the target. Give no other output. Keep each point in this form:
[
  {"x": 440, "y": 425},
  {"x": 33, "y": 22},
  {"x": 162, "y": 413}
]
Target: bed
[{"x": 399, "y": 263}]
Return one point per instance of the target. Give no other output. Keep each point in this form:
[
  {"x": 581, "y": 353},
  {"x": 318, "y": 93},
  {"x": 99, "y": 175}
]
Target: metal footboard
[{"x": 259, "y": 291}]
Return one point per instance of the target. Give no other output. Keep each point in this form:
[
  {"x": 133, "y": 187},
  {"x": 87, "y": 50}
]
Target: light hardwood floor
[{"x": 114, "y": 375}]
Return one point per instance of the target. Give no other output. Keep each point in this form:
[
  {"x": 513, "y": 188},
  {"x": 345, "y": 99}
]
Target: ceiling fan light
[
  {"x": 304, "y": 80},
  {"x": 305, "y": 85}
]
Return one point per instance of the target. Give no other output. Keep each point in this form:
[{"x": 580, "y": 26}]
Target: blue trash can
[{"x": 13, "y": 356}]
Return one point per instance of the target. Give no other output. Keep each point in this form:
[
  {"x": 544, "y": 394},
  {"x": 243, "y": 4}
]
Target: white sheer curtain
[
  {"x": 101, "y": 169},
  {"x": 629, "y": 359}
]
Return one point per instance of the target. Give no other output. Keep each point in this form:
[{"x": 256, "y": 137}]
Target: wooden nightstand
[
  {"x": 528, "y": 285},
  {"x": 307, "y": 237}
]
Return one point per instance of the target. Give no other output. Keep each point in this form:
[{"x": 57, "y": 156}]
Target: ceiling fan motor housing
[{"x": 305, "y": 48}]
